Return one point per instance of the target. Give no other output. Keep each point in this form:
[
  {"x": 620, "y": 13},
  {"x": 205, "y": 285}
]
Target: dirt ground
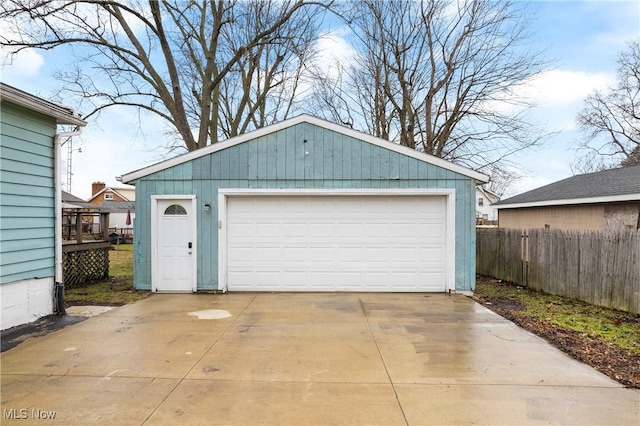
[{"x": 618, "y": 363}]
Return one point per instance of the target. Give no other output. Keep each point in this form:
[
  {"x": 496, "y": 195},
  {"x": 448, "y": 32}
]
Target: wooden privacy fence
[{"x": 601, "y": 268}]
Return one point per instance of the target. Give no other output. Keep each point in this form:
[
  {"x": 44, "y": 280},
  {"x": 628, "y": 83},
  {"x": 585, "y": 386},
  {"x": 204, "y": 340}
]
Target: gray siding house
[
  {"x": 30, "y": 203},
  {"x": 305, "y": 205}
]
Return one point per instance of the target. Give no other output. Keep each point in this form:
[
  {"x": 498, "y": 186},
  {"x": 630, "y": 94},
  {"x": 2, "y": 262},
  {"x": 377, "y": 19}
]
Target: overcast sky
[{"x": 581, "y": 39}]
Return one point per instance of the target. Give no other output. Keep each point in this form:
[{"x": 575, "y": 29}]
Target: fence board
[
  {"x": 499, "y": 260},
  {"x": 596, "y": 267}
]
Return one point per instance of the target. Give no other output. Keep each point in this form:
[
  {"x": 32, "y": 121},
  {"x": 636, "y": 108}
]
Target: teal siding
[
  {"x": 302, "y": 156},
  {"x": 27, "y": 196}
]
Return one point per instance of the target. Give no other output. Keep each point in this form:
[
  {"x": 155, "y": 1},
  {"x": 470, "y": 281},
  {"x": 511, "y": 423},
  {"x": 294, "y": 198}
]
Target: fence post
[{"x": 524, "y": 257}]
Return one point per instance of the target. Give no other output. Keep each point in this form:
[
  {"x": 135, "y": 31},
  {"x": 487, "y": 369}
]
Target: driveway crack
[
  {"x": 198, "y": 361},
  {"x": 386, "y": 370}
]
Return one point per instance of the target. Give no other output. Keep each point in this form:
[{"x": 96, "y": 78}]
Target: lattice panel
[{"x": 83, "y": 266}]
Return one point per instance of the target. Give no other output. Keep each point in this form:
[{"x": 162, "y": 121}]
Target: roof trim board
[
  {"x": 62, "y": 114},
  {"x": 304, "y": 118},
  {"x": 574, "y": 201}
]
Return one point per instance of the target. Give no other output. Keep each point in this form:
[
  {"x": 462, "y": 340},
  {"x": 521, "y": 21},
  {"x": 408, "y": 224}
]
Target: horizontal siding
[
  {"x": 22, "y": 244},
  {"x": 26, "y": 234},
  {"x": 21, "y": 200},
  {"x": 33, "y": 123},
  {"x": 18, "y": 212},
  {"x": 305, "y": 157},
  {"x": 20, "y": 256},
  {"x": 27, "y": 190},
  {"x": 27, "y": 217},
  {"x": 587, "y": 217},
  {"x": 25, "y": 152},
  {"x": 29, "y": 272},
  {"x": 24, "y": 166},
  {"x": 26, "y": 178},
  {"x": 27, "y": 222}
]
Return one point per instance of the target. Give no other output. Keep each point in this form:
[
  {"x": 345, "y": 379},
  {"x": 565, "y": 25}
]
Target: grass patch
[
  {"x": 618, "y": 328},
  {"x": 116, "y": 290}
]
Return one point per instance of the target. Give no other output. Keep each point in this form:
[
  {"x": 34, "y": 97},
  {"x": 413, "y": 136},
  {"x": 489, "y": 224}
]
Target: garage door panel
[
  {"x": 336, "y": 243},
  {"x": 266, "y": 255}
]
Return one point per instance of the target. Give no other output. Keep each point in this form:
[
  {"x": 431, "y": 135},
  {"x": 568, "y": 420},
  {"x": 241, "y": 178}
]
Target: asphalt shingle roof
[
  {"x": 119, "y": 206},
  {"x": 623, "y": 181},
  {"x": 77, "y": 201}
]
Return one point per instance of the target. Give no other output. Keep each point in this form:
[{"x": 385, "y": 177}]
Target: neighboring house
[
  {"x": 91, "y": 214},
  {"x": 30, "y": 204},
  {"x": 486, "y": 213},
  {"x": 101, "y": 193},
  {"x": 606, "y": 200},
  {"x": 305, "y": 205},
  {"x": 121, "y": 216},
  {"x": 119, "y": 201},
  {"x": 72, "y": 204}
]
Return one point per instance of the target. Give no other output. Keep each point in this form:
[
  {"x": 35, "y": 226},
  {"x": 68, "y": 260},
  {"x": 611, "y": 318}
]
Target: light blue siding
[
  {"x": 300, "y": 156},
  {"x": 27, "y": 196}
]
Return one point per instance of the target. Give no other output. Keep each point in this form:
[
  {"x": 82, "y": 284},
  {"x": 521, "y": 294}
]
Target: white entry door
[{"x": 175, "y": 246}]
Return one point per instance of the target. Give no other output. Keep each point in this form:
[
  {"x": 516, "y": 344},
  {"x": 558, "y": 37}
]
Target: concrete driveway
[{"x": 388, "y": 359}]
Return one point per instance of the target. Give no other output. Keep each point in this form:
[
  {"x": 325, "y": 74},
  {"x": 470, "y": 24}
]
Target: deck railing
[{"x": 85, "y": 246}]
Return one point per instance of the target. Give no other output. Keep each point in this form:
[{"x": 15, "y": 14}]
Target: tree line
[{"x": 439, "y": 76}]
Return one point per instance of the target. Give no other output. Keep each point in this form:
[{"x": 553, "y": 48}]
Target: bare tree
[
  {"x": 611, "y": 119},
  {"x": 177, "y": 59},
  {"x": 264, "y": 85},
  {"x": 590, "y": 162},
  {"x": 633, "y": 159},
  {"x": 441, "y": 76},
  {"x": 501, "y": 179}
]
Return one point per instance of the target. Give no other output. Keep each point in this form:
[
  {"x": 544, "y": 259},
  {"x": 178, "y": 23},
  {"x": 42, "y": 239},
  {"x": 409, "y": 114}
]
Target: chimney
[{"x": 97, "y": 187}]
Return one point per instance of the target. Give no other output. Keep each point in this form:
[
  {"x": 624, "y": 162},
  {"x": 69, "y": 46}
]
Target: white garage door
[{"x": 336, "y": 243}]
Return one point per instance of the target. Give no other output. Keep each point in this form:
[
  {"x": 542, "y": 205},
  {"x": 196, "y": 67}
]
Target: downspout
[{"x": 58, "y": 289}]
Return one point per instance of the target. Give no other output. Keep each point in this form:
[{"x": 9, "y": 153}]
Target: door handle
[{"x": 190, "y": 245}]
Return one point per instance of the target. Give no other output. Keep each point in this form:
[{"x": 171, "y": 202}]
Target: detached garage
[{"x": 305, "y": 205}]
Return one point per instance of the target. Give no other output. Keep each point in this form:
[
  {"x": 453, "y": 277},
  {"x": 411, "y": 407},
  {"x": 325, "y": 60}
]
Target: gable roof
[
  {"x": 114, "y": 190},
  {"x": 492, "y": 197},
  {"x": 304, "y": 118},
  {"x": 601, "y": 187},
  {"x": 62, "y": 114}
]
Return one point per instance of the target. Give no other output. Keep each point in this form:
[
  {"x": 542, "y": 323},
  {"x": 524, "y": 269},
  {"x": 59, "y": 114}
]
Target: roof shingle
[{"x": 622, "y": 181}]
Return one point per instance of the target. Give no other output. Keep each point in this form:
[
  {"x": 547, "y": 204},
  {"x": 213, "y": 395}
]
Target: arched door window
[{"x": 175, "y": 209}]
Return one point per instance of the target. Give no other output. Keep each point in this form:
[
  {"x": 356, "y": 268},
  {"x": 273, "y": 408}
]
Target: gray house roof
[
  {"x": 601, "y": 187},
  {"x": 71, "y": 201},
  {"x": 119, "y": 206},
  {"x": 70, "y": 198}
]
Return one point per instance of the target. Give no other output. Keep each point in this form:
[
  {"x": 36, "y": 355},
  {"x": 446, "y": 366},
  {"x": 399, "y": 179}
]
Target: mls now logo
[
  {"x": 22, "y": 414},
  {"x": 14, "y": 414}
]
